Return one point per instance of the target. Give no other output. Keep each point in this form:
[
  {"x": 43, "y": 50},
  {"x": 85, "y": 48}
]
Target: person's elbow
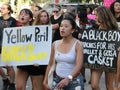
[{"x": 55, "y": 26}]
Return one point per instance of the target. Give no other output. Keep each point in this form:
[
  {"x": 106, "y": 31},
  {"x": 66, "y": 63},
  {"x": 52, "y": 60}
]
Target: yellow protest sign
[{"x": 26, "y": 45}]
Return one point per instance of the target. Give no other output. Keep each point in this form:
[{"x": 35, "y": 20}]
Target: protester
[
  {"x": 83, "y": 20},
  {"x": 90, "y": 15},
  {"x": 68, "y": 54},
  {"x": 117, "y": 75},
  {"x": 5, "y": 79},
  {"x": 115, "y": 9},
  {"x": 75, "y": 34},
  {"x": 36, "y": 10},
  {"x": 89, "y": 10},
  {"x": 84, "y": 24},
  {"x": 55, "y": 20},
  {"x": 7, "y": 21},
  {"x": 71, "y": 9},
  {"x": 106, "y": 21},
  {"x": 42, "y": 18},
  {"x": 23, "y": 72},
  {"x": 72, "y": 16}
]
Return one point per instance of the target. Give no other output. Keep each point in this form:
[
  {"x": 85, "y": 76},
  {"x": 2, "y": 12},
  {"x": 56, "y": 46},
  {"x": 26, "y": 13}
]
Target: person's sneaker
[
  {"x": 5, "y": 84},
  {"x": 89, "y": 82},
  {"x": 11, "y": 86},
  {"x": 84, "y": 80}
]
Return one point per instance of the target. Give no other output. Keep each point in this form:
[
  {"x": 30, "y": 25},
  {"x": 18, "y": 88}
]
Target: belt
[
  {"x": 60, "y": 78},
  {"x": 55, "y": 75}
]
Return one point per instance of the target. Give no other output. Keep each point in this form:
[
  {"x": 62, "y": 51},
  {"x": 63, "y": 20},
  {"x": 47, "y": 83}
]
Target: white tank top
[{"x": 65, "y": 62}]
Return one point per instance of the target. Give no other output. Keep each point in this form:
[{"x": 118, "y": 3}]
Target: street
[{"x": 87, "y": 86}]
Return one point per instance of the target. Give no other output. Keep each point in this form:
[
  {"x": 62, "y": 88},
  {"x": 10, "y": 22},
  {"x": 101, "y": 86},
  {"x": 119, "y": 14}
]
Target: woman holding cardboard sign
[
  {"x": 42, "y": 18},
  {"x": 34, "y": 71},
  {"x": 106, "y": 21}
]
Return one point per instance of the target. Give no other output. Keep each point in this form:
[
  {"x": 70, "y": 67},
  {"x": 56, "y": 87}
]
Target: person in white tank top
[{"x": 68, "y": 55}]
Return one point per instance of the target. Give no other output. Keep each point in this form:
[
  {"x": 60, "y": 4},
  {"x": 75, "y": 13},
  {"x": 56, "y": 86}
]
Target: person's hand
[
  {"x": 118, "y": 48},
  {"x": 63, "y": 83},
  {"x": 36, "y": 65},
  {"x": 45, "y": 86},
  {"x": 116, "y": 88},
  {"x": 79, "y": 35}
]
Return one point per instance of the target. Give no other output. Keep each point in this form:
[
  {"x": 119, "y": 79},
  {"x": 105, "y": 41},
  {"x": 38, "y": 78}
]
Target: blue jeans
[
  {"x": 81, "y": 81},
  {"x": 76, "y": 84}
]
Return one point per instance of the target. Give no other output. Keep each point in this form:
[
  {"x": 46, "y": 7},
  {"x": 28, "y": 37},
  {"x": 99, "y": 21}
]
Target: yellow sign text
[{"x": 22, "y": 53}]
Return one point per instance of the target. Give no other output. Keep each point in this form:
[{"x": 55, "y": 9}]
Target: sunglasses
[{"x": 55, "y": 11}]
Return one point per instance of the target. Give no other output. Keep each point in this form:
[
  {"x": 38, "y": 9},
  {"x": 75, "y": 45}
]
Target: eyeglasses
[{"x": 55, "y": 11}]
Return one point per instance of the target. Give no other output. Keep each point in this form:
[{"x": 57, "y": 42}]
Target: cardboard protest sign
[
  {"x": 100, "y": 49},
  {"x": 26, "y": 45}
]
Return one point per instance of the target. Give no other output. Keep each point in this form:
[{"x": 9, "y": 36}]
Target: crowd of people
[{"x": 67, "y": 50}]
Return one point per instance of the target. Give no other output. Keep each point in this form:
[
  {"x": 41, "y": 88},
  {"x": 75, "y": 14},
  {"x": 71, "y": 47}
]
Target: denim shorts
[{"x": 75, "y": 84}]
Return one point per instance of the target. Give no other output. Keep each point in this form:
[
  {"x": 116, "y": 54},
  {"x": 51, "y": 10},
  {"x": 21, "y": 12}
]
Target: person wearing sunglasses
[{"x": 56, "y": 19}]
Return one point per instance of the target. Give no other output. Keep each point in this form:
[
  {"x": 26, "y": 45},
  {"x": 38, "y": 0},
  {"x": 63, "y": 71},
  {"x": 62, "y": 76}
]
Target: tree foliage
[{"x": 4, "y": 0}]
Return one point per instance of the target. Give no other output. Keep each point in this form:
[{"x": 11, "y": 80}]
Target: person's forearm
[
  {"x": 76, "y": 71},
  {"x": 118, "y": 71},
  {"x": 46, "y": 74},
  {"x": 55, "y": 26}
]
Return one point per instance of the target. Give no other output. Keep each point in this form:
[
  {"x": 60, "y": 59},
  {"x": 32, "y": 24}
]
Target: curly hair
[{"x": 37, "y": 20}]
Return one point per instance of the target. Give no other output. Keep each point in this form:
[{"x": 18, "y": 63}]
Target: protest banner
[
  {"x": 26, "y": 45},
  {"x": 100, "y": 49}
]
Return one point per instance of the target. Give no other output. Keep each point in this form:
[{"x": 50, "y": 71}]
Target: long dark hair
[
  {"x": 72, "y": 21},
  {"x": 83, "y": 16},
  {"x": 106, "y": 18},
  {"x": 112, "y": 6}
]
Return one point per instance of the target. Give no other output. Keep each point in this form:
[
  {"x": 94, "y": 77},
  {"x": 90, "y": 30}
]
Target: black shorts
[{"x": 34, "y": 70}]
